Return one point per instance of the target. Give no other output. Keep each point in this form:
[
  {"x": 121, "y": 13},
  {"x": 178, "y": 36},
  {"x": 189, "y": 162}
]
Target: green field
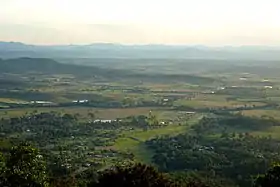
[
  {"x": 100, "y": 113},
  {"x": 271, "y": 113},
  {"x": 134, "y": 141},
  {"x": 273, "y": 132}
]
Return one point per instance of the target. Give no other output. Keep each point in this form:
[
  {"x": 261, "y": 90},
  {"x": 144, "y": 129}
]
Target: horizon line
[{"x": 139, "y": 44}]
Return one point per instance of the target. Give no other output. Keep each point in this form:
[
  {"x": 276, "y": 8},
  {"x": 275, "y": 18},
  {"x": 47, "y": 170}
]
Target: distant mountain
[
  {"x": 50, "y": 66},
  {"x": 10, "y": 46},
  {"x": 111, "y": 50}
]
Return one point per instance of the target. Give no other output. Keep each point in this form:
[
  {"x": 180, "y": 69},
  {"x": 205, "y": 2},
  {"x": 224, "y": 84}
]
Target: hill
[
  {"x": 108, "y": 50},
  {"x": 50, "y": 66}
]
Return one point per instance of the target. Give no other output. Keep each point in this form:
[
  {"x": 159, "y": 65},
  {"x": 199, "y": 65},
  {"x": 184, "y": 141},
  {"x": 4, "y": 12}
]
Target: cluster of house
[
  {"x": 204, "y": 148},
  {"x": 42, "y": 103},
  {"x": 104, "y": 121},
  {"x": 80, "y": 101}
]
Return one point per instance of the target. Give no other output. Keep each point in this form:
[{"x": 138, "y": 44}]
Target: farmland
[{"x": 99, "y": 117}]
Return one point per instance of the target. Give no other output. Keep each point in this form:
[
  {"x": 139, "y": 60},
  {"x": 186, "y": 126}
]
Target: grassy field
[
  {"x": 259, "y": 113},
  {"x": 215, "y": 101},
  {"x": 162, "y": 114},
  {"x": 208, "y": 103},
  {"x": 134, "y": 141},
  {"x": 274, "y": 132},
  {"x": 83, "y": 111},
  {"x": 11, "y": 100}
]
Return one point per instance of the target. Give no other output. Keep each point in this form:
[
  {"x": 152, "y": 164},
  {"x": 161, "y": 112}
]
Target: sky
[{"x": 184, "y": 22}]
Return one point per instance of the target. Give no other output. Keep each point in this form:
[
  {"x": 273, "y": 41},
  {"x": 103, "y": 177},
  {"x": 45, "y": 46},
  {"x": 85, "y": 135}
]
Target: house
[
  {"x": 190, "y": 112},
  {"x": 242, "y": 78},
  {"x": 40, "y": 102},
  {"x": 80, "y": 101},
  {"x": 104, "y": 121}
]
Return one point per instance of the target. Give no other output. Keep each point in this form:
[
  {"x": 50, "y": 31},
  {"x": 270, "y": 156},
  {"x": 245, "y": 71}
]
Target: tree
[
  {"x": 86, "y": 177},
  {"x": 270, "y": 179},
  {"x": 199, "y": 179},
  {"x": 136, "y": 175},
  {"x": 152, "y": 119},
  {"x": 2, "y": 170},
  {"x": 91, "y": 115},
  {"x": 26, "y": 167}
]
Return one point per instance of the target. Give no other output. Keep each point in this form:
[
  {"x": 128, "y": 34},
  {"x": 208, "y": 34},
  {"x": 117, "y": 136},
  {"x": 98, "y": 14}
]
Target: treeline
[
  {"x": 227, "y": 123},
  {"x": 84, "y": 140},
  {"x": 236, "y": 158},
  {"x": 24, "y": 166},
  {"x": 220, "y": 147},
  {"x": 46, "y": 127}
]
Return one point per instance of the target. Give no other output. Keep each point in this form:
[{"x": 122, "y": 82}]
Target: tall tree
[
  {"x": 136, "y": 175},
  {"x": 2, "y": 170},
  {"x": 26, "y": 167},
  {"x": 270, "y": 179}
]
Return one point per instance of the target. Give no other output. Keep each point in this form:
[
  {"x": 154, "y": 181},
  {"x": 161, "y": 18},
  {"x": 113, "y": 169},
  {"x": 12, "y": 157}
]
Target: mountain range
[{"x": 112, "y": 50}]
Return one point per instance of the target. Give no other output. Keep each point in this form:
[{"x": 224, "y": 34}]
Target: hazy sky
[{"x": 210, "y": 22}]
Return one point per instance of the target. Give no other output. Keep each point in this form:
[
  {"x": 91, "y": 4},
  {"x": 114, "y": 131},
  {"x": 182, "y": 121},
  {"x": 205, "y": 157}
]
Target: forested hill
[
  {"x": 45, "y": 65},
  {"x": 50, "y": 66}
]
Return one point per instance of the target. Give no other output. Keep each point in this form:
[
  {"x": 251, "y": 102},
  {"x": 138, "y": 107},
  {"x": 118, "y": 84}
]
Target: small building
[
  {"x": 80, "y": 101},
  {"x": 243, "y": 78},
  {"x": 190, "y": 112},
  {"x": 104, "y": 121}
]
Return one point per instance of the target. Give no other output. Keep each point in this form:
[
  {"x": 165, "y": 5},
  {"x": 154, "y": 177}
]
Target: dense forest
[
  {"x": 24, "y": 166},
  {"x": 210, "y": 154}
]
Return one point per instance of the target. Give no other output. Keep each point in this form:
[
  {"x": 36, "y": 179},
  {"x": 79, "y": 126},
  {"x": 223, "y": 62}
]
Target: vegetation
[
  {"x": 271, "y": 178},
  {"x": 24, "y": 167},
  {"x": 92, "y": 125}
]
